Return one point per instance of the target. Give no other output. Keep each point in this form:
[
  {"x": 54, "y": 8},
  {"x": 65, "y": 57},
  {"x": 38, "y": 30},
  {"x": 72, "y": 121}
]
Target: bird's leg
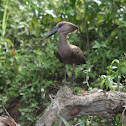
[
  {"x": 64, "y": 75},
  {"x": 73, "y": 78}
]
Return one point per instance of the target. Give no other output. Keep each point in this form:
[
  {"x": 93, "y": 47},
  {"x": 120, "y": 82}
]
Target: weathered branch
[
  {"x": 103, "y": 104},
  {"x": 7, "y": 121}
]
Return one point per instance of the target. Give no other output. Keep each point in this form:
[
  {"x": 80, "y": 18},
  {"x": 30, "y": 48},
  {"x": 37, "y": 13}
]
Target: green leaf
[
  {"x": 36, "y": 22},
  {"x": 9, "y": 41},
  {"x": 103, "y": 81},
  {"x": 1, "y": 110},
  {"x": 65, "y": 122},
  {"x": 117, "y": 61},
  {"x": 114, "y": 32},
  {"x": 82, "y": 122},
  {"x": 123, "y": 70},
  {"x": 19, "y": 68}
]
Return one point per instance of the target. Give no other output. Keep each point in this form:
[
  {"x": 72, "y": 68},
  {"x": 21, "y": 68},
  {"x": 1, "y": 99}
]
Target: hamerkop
[{"x": 67, "y": 53}]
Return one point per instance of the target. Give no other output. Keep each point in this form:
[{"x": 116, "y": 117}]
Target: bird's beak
[{"x": 52, "y": 32}]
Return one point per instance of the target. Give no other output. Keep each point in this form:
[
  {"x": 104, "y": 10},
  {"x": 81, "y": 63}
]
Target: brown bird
[{"x": 67, "y": 53}]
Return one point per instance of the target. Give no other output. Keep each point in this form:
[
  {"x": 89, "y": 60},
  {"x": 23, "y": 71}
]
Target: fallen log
[{"x": 69, "y": 106}]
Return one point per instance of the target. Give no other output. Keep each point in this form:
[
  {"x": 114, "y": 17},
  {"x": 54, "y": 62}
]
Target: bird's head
[{"x": 64, "y": 28}]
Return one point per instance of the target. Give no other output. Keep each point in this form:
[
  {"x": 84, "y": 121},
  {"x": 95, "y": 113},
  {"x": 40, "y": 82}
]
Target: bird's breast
[
  {"x": 64, "y": 51},
  {"x": 65, "y": 54},
  {"x": 71, "y": 55}
]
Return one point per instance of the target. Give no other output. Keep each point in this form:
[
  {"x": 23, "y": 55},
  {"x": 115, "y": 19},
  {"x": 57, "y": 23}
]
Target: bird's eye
[{"x": 60, "y": 25}]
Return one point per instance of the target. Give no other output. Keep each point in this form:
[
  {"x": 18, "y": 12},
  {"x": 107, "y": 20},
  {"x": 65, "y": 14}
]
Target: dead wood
[
  {"x": 102, "y": 104},
  {"x": 7, "y": 121}
]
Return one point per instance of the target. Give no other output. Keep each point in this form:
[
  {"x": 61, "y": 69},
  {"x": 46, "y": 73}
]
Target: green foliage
[
  {"x": 114, "y": 73},
  {"x": 30, "y": 75}
]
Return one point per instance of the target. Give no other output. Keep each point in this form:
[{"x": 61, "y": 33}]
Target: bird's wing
[{"x": 77, "y": 55}]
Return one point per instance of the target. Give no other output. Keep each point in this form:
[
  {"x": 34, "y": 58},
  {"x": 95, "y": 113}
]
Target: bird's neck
[
  {"x": 63, "y": 39},
  {"x": 63, "y": 45}
]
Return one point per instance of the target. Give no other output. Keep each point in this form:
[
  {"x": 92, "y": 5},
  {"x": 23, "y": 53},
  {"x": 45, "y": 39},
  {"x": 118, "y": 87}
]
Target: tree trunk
[{"x": 69, "y": 106}]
